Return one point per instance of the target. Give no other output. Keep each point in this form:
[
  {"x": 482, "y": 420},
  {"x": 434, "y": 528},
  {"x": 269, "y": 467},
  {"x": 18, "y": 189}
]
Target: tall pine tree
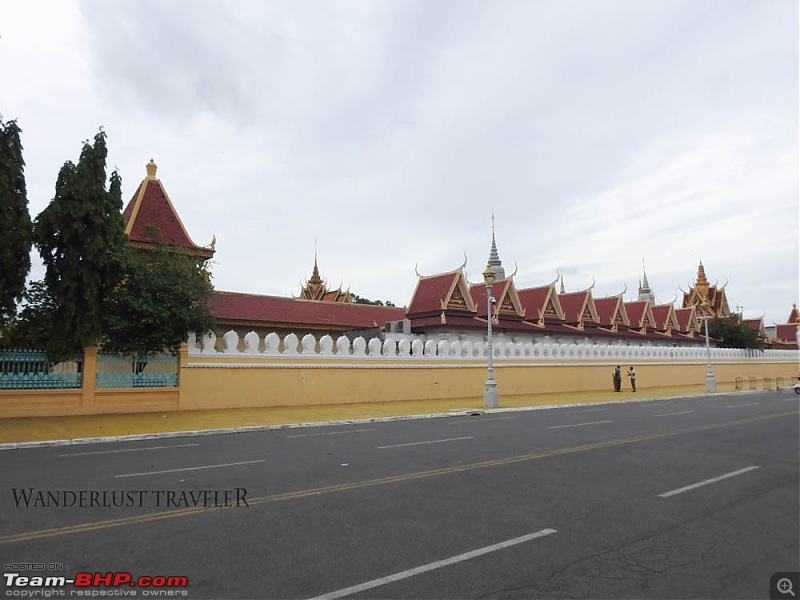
[
  {"x": 15, "y": 222},
  {"x": 81, "y": 238}
]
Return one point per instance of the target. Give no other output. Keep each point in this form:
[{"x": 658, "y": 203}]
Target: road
[{"x": 677, "y": 498}]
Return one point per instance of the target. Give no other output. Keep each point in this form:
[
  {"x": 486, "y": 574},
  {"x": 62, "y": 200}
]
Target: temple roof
[
  {"x": 230, "y": 307},
  {"x": 639, "y": 313},
  {"x": 756, "y": 324},
  {"x": 507, "y": 302},
  {"x": 786, "y": 332},
  {"x": 663, "y": 317},
  {"x": 794, "y": 316},
  {"x": 686, "y": 318},
  {"x": 709, "y": 299},
  {"x": 152, "y": 221},
  {"x": 438, "y": 293},
  {"x": 578, "y": 307},
  {"x": 541, "y": 303},
  {"x": 317, "y": 289},
  {"x": 611, "y": 311}
]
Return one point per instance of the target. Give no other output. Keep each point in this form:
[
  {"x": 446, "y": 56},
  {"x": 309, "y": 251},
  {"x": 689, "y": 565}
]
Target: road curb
[{"x": 256, "y": 428}]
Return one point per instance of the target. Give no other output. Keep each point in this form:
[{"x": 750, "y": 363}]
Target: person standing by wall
[
  {"x": 632, "y": 375},
  {"x": 616, "y": 377}
]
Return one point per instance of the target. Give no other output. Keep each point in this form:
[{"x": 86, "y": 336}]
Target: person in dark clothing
[{"x": 616, "y": 376}]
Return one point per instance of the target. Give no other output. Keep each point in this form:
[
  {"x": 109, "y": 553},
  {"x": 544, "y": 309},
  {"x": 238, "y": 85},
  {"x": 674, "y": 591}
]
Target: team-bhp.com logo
[{"x": 87, "y": 584}]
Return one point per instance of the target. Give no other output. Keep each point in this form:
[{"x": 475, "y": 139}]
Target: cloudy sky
[{"x": 601, "y": 133}]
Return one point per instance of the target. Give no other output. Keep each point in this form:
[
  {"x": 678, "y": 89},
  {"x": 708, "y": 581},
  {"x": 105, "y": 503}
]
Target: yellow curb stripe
[{"x": 107, "y": 524}]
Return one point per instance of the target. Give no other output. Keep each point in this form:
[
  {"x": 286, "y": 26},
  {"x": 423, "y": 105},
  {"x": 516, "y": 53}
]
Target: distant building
[{"x": 446, "y": 305}]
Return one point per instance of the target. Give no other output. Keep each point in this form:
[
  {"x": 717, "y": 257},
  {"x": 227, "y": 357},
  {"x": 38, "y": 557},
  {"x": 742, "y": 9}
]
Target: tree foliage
[
  {"x": 359, "y": 300},
  {"x": 731, "y": 333},
  {"x": 15, "y": 222},
  {"x": 81, "y": 239},
  {"x": 163, "y": 296}
]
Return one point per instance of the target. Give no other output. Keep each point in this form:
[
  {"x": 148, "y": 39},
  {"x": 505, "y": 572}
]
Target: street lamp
[
  {"x": 711, "y": 384},
  {"x": 490, "y": 398}
]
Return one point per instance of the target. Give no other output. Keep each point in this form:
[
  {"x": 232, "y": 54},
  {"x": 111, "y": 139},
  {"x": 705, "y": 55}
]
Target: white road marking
[
  {"x": 329, "y": 433},
  {"x": 683, "y": 412},
  {"x": 249, "y": 462},
  {"x": 738, "y": 405},
  {"x": 368, "y": 585},
  {"x": 469, "y": 437},
  {"x": 130, "y": 450},
  {"x": 579, "y": 424},
  {"x": 569, "y": 412},
  {"x": 706, "y": 482},
  {"x": 467, "y": 420}
]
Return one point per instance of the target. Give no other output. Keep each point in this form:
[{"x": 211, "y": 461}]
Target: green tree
[
  {"x": 731, "y": 333},
  {"x": 81, "y": 238},
  {"x": 15, "y": 222},
  {"x": 359, "y": 300},
  {"x": 163, "y": 297}
]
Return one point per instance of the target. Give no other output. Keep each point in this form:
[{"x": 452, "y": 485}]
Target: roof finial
[
  {"x": 151, "y": 168},
  {"x": 315, "y": 278},
  {"x": 562, "y": 290}
]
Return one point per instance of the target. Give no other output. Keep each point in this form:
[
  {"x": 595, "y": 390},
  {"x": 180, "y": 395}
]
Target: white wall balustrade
[{"x": 414, "y": 348}]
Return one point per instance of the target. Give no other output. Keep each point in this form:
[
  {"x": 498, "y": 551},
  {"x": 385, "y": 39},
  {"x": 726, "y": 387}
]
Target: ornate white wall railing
[{"x": 443, "y": 349}]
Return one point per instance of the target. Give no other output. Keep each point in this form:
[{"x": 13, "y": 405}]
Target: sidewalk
[{"x": 37, "y": 429}]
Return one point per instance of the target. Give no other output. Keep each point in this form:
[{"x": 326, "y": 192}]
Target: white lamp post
[
  {"x": 490, "y": 397},
  {"x": 711, "y": 384}
]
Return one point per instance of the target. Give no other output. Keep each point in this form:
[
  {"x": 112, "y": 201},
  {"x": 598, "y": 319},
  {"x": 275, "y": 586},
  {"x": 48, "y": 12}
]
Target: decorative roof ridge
[
  {"x": 254, "y": 295},
  {"x": 442, "y": 274}
]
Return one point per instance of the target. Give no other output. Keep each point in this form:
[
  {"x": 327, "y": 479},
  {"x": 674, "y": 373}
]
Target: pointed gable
[
  {"x": 507, "y": 302},
  {"x": 541, "y": 303},
  {"x": 640, "y": 315},
  {"x": 611, "y": 312},
  {"x": 664, "y": 318},
  {"x": 794, "y": 316},
  {"x": 578, "y": 307},
  {"x": 152, "y": 221},
  {"x": 686, "y": 320},
  {"x": 441, "y": 293}
]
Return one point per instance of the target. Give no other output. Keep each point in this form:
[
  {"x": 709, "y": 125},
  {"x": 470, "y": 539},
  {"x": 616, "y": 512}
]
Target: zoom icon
[{"x": 784, "y": 585}]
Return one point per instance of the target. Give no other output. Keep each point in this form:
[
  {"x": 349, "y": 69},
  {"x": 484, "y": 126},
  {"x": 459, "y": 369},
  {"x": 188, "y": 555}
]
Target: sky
[{"x": 601, "y": 134}]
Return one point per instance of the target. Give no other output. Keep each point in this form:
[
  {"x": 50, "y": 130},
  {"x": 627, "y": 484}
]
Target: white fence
[{"x": 293, "y": 347}]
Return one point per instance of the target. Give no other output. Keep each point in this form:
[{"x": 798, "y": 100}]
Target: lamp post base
[
  {"x": 711, "y": 383},
  {"x": 490, "y": 397}
]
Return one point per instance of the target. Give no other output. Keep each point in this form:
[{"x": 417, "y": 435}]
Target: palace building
[{"x": 446, "y": 305}]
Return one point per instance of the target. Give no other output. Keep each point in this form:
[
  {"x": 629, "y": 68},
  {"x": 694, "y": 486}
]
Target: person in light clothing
[{"x": 632, "y": 375}]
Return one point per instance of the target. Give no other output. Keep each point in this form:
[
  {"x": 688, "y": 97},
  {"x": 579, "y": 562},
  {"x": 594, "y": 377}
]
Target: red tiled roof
[
  {"x": 432, "y": 292},
  {"x": 606, "y": 310},
  {"x": 786, "y": 332},
  {"x": 477, "y": 292},
  {"x": 684, "y": 318},
  {"x": 661, "y": 316},
  {"x": 573, "y": 304},
  {"x": 150, "y": 218},
  {"x": 233, "y": 306},
  {"x": 793, "y": 316},
  {"x": 757, "y": 324},
  {"x": 533, "y": 300},
  {"x": 636, "y": 312}
]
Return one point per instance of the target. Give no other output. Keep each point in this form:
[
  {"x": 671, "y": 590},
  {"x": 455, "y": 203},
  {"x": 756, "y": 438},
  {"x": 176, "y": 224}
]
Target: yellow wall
[
  {"x": 219, "y": 382},
  {"x": 241, "y": 382}
]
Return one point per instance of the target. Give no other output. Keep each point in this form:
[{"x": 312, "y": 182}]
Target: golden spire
[{"x": 151, "y": 168}]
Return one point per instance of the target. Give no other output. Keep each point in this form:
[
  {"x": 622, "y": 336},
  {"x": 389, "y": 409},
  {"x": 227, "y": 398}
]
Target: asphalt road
[{"x": 680, "y": 498}]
